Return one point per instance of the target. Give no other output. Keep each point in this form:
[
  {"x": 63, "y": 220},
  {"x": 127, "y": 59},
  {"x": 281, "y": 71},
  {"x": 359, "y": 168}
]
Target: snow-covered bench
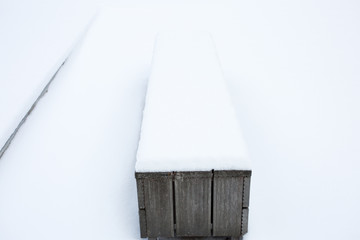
[{"x": 192, "y": 170}]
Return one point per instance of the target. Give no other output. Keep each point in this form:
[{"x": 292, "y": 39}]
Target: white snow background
[
  {"x": 35, "y": 38},
  {"x": 293, "y": 74}
]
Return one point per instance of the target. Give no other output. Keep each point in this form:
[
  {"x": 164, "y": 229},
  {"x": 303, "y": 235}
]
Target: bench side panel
[
  {"x": 246, "y": 191},
  {"x": 159, "y": 207},
  {"x": 142, "y": 220},
  {"x": 193, "y": 204},
  {"x": 245, "y": 217},
  {"x": 227, "y": 206}
]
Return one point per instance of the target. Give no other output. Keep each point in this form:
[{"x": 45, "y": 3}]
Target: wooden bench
[{"x": 192, "y": 170}]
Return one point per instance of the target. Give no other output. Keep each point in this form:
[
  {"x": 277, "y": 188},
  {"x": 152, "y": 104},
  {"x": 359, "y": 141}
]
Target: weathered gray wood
[
  {"x": 246, "y": 196},
  {"x": 152, "y": 175},
  {"x": 140, "y": 193},
  {"x": 207, "y": 204},
  {"x": 233, "y": 173},
  {"x": 193, "y": 203},
  {"x": 142, "y": 218},
  {"x": 245, "y": 217},
  {"x": 159, "y": 206},
  {"x": 201, "y": 238},
  {"x": 227, "y": 205}
]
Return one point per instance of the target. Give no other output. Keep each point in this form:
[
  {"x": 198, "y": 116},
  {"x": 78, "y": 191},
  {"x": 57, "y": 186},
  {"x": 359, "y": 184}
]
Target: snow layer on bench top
[{"x": 189, "y": 123}]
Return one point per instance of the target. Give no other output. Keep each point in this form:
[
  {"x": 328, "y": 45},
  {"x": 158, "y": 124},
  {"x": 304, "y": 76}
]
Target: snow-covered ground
[
  {"x": 293, "y": 73},
  {"x": 36, "y": 37}
]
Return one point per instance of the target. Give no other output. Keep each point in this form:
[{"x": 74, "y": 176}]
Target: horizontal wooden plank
[
  {"x": 157, "y": 175},
  {"x": 232, "y": 173},
  {"x": 217, "y": 173},
  {"x": 195, "y": 174},
  {"x": 199, "y": 238}
]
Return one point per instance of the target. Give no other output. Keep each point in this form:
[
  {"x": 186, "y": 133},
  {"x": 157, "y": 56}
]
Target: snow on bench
[
  {"x": 189, "y": 123},
  {"x": 192, "y": 169}
]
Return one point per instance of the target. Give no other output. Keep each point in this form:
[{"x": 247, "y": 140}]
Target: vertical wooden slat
[
  {"x": 246, "y": 191},
  {"x": 193, "y": 203},
  {"x": 140, "y": 193},
  {"x": 159, "y": 206},
  {"x": 141, "y": 203},
  {"x": 245, "y": 217},
  {"x": 142, "y": 217},
  {"x": 227, "y": 205}
]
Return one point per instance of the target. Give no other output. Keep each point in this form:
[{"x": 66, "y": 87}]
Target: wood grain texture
[
  {"x": 193, "y": 203},
  {"x": 245, "y": 220},
  {"x": 142, "y": 218},
  {"x": 210, "y": 204},
  {"x": 246, "y": 196},
  {"x": 201, "y": 238},
  {"x": 140, "y": 193},
  {"x": 227, "y": 205},
  {"x": 159, "y": 206},
  {"x": 232, "y": 173}
]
